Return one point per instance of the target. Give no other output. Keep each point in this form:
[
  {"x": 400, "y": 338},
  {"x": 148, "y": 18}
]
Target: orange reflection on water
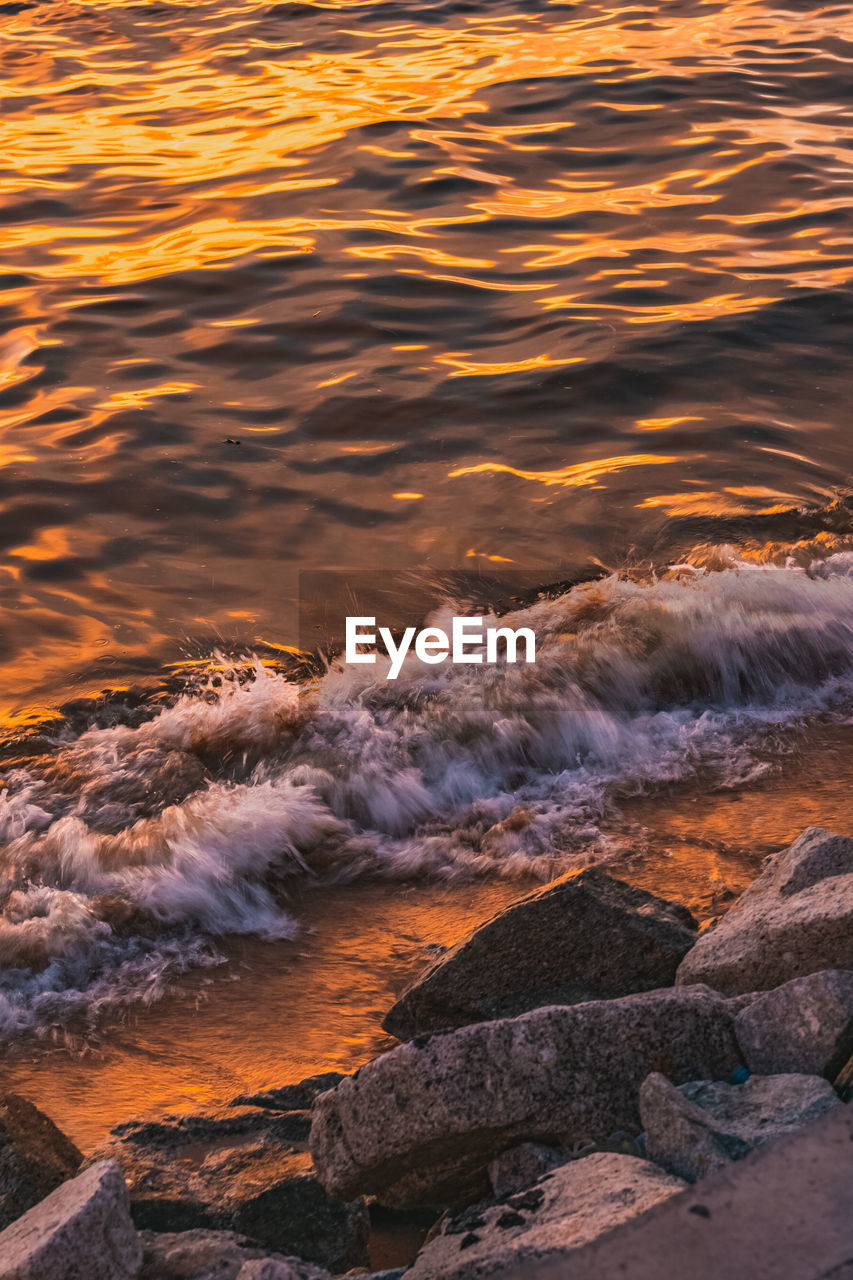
[
  {"x": 217, "y": 138},
  {"x": 141, "y": 396},
  {"x": 467, "y": 368},
  {"x": 522, "y": 189},
  {"x": 582, "y": 473},
  {"x": 721, "y": 503},
  {"x": 660, "y": 424}
]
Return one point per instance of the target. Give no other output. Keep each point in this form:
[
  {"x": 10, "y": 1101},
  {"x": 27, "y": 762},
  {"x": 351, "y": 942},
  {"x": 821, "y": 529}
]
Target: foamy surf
[{"x": 128, "y": 850}]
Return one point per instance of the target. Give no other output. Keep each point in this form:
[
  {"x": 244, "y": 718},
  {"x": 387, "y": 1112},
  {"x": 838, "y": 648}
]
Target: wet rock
[
  {"x": 291, "y": 1097},
  {"x": 805, "y": 1026},
  {"x": 236, "y": 1170},
  {"x": 35, "y": 1157},
  {"x": 203, "y": 1128},
  {"x": 285, "y": 1208},
  {"x": 290, "y": 1127},
  {"x": 83, "y": 1228},
  {"x": 419, "y": 1123},
  {"x": 195, "y": 1255},
  {"x": 563, "y": 1211},
  {"x": 517, "y": 1168},
  {"x": 215, "y": 1255},
  {"x": 795, "y": 919},
  {"x": 584, "y": 937},
  {"x": 704, "y": 1125}
]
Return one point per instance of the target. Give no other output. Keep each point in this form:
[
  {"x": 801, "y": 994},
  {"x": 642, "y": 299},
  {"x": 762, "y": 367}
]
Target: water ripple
[{"x": 447, "y": 276}]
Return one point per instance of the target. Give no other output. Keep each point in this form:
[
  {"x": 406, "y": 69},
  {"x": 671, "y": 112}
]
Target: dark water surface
[{"x": 464, "y": 281}]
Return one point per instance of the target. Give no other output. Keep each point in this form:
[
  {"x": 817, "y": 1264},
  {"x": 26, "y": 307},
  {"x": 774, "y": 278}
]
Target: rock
[
  {"x": 421, "y": 1123},
  {"x": 35, "y": 1157},
  {"x": 287, "y": 1126},
  {"x": 285, "y": 1208},
  {"x": 705, "y": 1125},
  {"x": 795, "y": 919},
  {"x": 81, "y": 1231},
  {"x": 560, "y": 1213},
  {"x": 291, "y": 1126},
  {"x": 229, "y": 1125},
  {"x": 236, "y": 1170},
  {"x": 291, "y": 1097},
  {"x": 195, "y": 1255},
  {"x": 783, "y": 1213},
  {"x": 584, "y": 937},
  {"x": 214, "y": 1255},
  {"x": 517, "y": 1168},
  {"x": 281, "y": 1269},
  {"x": 804, "y": 1026}
]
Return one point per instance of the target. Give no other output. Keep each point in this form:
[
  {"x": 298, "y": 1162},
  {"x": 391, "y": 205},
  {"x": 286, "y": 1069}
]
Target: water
[
  {"x": 562, "y": 289},
  {"x": 567, "y": 272}
]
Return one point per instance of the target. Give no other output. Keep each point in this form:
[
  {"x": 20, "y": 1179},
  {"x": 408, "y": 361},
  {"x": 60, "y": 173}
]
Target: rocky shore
[{"x": 575, "y": 1065}]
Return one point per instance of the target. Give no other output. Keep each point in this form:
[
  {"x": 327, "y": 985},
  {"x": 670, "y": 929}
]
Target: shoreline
[
  {"x": 202, "y": 1044},
  {"x": 521, "y": 1118}
]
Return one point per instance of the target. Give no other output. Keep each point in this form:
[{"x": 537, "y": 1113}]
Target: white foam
[{"x": 446, "y": 772}]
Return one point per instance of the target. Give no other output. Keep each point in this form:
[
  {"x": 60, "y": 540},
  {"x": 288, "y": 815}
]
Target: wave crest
[{"x": 128, "y": 849}]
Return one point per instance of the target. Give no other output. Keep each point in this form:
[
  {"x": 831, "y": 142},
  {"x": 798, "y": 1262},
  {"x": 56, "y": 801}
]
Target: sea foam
[{"x": 128, "y": 851}]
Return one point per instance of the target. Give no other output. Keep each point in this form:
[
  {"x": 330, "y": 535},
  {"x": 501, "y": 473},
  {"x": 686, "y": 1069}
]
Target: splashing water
[{"x": 130, "y": 849}]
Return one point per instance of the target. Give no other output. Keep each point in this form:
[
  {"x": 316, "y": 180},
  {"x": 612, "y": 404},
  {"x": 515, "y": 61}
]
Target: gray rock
[
  {"x": 517, "y": 1168},
  {"x": 236, "y": 1170},
  {"x": 421, "y": 1123},
  {"x": 281, "y": 1269},
  {"x": 795, "y": 919},
  {"x": 804, "y": 1026},
  {"x": 214, "y": 1255},
  {"x": 195, "y": 1255},
  {"x": 584, "y": 937},
  {"x": 81, "y": 1231},
  {"x": 291, "y": 1097},
  {"x": 704, "y": 1125},
  {"x": 35, "y": 1157},
  {"x": 783, "y": 1213},
  {"x": 563, "y": 1211}
]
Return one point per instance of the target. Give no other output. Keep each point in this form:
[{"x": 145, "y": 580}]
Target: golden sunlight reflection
[
  {"x": 728, "y": 502},
  {"x": 467, "y": 368},
  {"x": 582, "y": 473},
  {"x": 660, "y": 424},
  {"x": 282, "y": 284},
  {"x": 165, "y": 126}
]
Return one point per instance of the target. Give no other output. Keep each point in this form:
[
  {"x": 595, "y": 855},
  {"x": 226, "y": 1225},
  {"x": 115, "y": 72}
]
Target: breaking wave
[{"x": 130, "y": 848}]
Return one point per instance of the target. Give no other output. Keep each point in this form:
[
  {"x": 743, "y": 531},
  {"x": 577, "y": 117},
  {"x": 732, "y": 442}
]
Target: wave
[{"x": 129, "y": 849}]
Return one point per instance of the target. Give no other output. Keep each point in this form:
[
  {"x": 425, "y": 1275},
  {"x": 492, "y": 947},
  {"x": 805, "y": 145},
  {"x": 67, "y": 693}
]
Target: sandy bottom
[{"x": 280, "y": 1011}]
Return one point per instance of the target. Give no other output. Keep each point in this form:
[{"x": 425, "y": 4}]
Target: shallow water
[
  {"x": 276, "y": 1013},
  {"x": 563, "y": 290},
  {"x": 280, "y": 1011}
]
